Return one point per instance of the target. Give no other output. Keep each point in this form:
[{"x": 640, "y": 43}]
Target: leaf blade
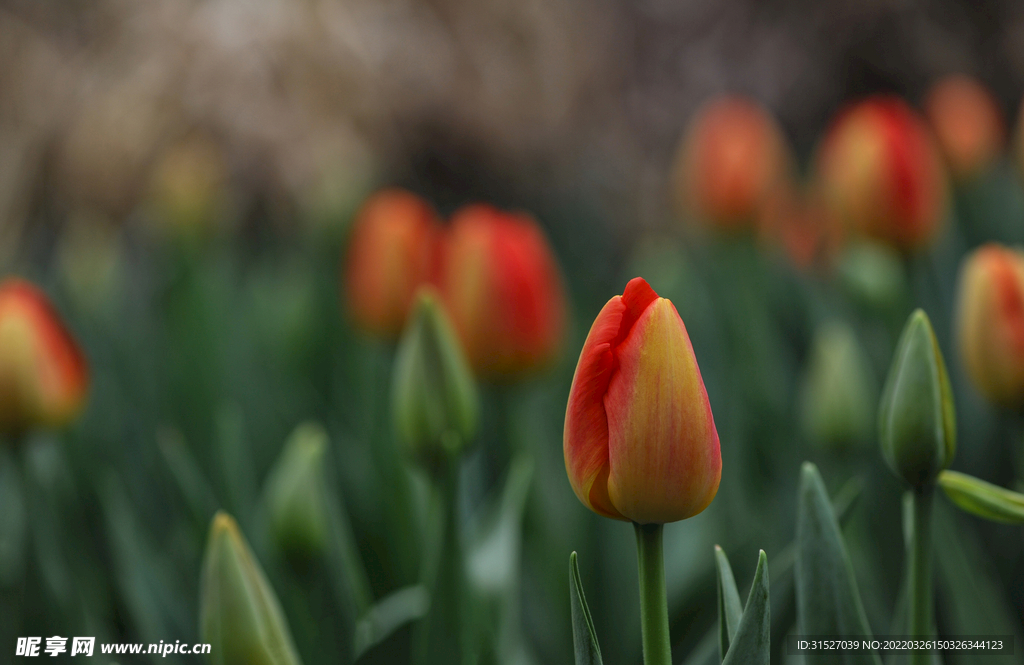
[
  {"x": 584, "y": 639},
  {"x": 983, "y": 499},
  {"x": 751, "y": 644}
]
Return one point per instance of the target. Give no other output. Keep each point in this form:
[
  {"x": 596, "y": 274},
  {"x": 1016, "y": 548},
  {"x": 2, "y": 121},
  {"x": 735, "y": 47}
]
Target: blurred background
[{"x": 181, "y": 179}]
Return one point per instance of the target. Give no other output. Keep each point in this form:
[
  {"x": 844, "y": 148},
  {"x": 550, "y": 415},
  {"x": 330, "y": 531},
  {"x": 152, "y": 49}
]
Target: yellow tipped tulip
[
  {"x": 990, "y": 322},
  {"x": 640, "y": 442}
]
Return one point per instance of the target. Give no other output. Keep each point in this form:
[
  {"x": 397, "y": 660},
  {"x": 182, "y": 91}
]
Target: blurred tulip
[
  {"x": 43, "y": 375},
  {"x": 917, "y": 420},
  {"x": 188, "y": 187},
  {"x": 968, "y": 124},
  {"x": 502, "y": 286},
  {"x": 990, "y": 322},
  {"x": 295, "y": 493},
  {"x": 640, "y": 442},
  {"x": 239, "y": 615},
  {"x": 392, "y": 252},
  {"x": 434, "y": 398},
  {"x": 838, "y": 398},
  {"x": 881, "y": 174},
  {"x": 731, "y": 160}
]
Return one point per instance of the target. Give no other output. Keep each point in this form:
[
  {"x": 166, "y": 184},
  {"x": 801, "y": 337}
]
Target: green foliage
[
  {"x": 828, "y": 601},
  {"x": 748, "y": 632},
  {"x": 584, "y": 639}
]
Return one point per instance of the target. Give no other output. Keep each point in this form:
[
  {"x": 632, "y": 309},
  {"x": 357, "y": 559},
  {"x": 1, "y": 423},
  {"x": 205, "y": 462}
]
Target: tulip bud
[
  {"x": 968, "y": 125},
  {"x": 43, "y": 375},
  {"x": 295, "y": 492},
  {"x": 640, "y": 442},
  {"x": 434, "y": 398},
  {"x": 732, "y": 158},
  {"x": 881, "y": 174},
  {"x": 990, "y": 322},
  {"x": 391, "y": 253},
  {"x": 503, "y": 289},
  {"x": 839, "y": 396},
  {"x": 917, "y": 421},
  {"x": 239, "y": 615}
]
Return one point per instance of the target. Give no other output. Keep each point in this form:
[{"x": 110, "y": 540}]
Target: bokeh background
[{"x": 181, "y": 178}]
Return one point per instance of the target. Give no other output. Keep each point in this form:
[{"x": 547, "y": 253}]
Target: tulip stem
[
  {"x": 653, "y": 598},
  {"x": 921, "y": 570}
]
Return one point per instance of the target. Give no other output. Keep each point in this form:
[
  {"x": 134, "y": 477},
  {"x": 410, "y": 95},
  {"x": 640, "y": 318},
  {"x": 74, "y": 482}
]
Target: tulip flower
[
  {"x": 731, "y": 160},
  {"x": 968, "y": 125},
  {"x": 990, "y": 322},
  {"x": 239, "y": 615},
  {"x": 502, "y": 287},
  {"x": 391, "y": 253},
  {"x": 434, "y": 398},
  {"x": 640, "y": 442},
  {"x": 881, "y": 174},
  {"x": 917, "y": 429},
  {"x": 43, "y": 375}
]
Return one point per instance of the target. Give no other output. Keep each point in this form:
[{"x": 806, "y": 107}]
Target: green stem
[
  {"x": 653, "y": 598},
  {"x": 921, "y": 570}
]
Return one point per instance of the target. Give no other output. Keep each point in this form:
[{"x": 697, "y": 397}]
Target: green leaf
[
  {"x": 751, "y": 644},
  {"x": 729, "y": 607},
  {"x": 983, "y": 499},
  {"x": 827, "y": 599},
  {"x": 391, "y": 613},
  {"x": 584, "y": 639}
]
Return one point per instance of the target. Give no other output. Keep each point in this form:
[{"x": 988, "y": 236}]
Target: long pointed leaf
[
  {"x": 584, "y": 639},
  {"x": 751, "y": 644},
  {"x": 730, "y": 609},
  {"x": 983, "y": 499},
  {"x": 828, "y": 602}
]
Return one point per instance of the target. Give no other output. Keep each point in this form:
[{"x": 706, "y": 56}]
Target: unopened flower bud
[
  {"x": 434, "y": 399},
  {"x": 917, "y": 420},
  {"x": 295, "y": 492},
  {"x": 239, "y": 615}
]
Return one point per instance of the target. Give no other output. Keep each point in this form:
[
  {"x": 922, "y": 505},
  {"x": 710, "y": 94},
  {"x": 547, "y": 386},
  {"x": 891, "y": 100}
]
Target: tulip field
[{"x": 263, "y": 410}]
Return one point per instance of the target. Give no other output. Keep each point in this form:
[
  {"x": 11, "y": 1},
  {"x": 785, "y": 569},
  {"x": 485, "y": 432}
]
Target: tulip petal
[{"x": 664, "y": 463}]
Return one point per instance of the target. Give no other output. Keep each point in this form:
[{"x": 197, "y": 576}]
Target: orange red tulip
[
  {"x": 640, "y": 442},
  {"x": 968, "y": 125},
  {"x": 881, "y": 173},
  {"x": 43, "y": 375},
  {"x": 732, "y": 158},
  {"x": 392, "y": 252},
  {"x": 502, "y": 286}
]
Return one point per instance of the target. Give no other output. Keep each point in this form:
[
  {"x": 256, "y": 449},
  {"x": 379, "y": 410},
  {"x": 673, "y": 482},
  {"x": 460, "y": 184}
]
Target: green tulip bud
[
  {"x": 239, "y": 615},
  {"x": 434, "y": 399},
  {"x": 839, "y": 395},
  {"x": 295, "y": 493},
  {"x": 917, "y": 421}
]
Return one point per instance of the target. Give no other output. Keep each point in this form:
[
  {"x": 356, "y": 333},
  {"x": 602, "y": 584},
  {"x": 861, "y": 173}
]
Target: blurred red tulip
[
  {"x": 640, "y": 442},
  {"x": 968, "y": 124},
  {"x": 43, "y": 375},
  {"x": 732, "y": 158},
  {"x": 990, "y": 322},
  {"x": 881, "y": 174},
  {"x": 392, "y": 251},
  {"x": 502, "y": 286}
]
